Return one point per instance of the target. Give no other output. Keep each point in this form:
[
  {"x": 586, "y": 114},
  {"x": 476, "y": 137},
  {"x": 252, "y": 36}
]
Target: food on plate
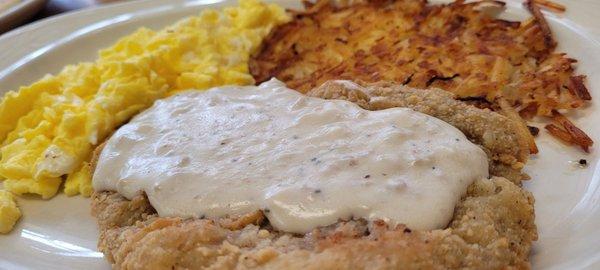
[
  {"x": 261, "y": 177},
  {"x": 49, "y": 128},
  {"x": 234, "y": 150},
  {"x": 396, "y": 137},
  {"x": 550, "y": 5},
  {"x": 507, "y": 148},
  {"x": 568, "y": 132},
  {"x": 459, "y": 47},
  {"x": 493, "y": 227},
  {"x": 9, "y": 212}
]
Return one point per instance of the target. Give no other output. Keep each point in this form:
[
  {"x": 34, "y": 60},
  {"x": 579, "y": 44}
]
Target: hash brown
[{"x": 459, "y": 47}]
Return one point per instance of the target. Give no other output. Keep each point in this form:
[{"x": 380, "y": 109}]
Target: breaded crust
[{"x": 492, "y": 228}]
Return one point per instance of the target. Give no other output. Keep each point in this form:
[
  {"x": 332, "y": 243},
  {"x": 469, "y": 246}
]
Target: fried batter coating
[{"x": 493, "y": 228}]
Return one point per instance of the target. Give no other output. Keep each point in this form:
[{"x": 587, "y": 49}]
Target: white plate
[
  {"x": 18, "y": 13},
  {"x": 60, "y": 233}
]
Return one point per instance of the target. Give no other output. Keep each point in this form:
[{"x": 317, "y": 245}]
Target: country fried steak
[{"x": 492, "y": 227}]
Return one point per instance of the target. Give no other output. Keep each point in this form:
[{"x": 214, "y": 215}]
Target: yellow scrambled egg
[
  {"x": 49, "y": 129},
  {"x": 9, "y": 213}
]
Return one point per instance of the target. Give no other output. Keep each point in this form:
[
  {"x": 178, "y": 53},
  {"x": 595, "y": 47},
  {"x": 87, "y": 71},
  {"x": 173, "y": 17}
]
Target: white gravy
[{"x": 307, "y": 162}]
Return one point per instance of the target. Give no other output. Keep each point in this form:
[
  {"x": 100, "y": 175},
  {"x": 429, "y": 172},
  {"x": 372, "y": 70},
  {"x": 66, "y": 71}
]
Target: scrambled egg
[
  {"x": 9, "y": 213},
  {"x": 49, "y": 129}
]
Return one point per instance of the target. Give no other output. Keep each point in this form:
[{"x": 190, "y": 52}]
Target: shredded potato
[
  {"x": 521, "y": 126},
  {"x": 459, "y": 47},
  {"x": 556, "y": 7},
  {"x": 559, "y": 133},
  {"x": 571, "y": 133}
]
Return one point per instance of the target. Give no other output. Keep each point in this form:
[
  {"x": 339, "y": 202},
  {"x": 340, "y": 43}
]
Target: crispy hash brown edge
[
  {"x": 459, "y": 47},
  {"x": 492, "y": 228}
]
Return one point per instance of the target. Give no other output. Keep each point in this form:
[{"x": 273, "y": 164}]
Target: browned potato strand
[
  {"x": 459, "y": 47},
  {"x": 556, "y": 7}
]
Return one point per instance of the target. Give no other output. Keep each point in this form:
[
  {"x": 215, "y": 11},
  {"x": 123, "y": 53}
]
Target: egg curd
[
  {"x": 9, "y": 213},
  {"x": 49, "y": 129}
]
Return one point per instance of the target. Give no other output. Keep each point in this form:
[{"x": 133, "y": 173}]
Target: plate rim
[{"x": 18, "y": 13}]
